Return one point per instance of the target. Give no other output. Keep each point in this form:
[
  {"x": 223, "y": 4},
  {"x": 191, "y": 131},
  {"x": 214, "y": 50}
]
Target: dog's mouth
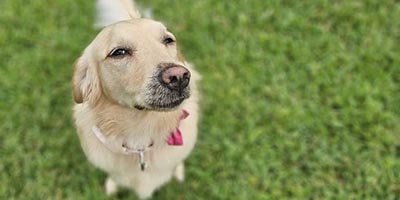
[
  {"x": 161, "y": 106},
  {"x": 167, "y": 105},
  {"x": 163, "y": 99}
]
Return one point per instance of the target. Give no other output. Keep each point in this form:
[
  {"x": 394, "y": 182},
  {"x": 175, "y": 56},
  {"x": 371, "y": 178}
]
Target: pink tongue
[{"x": 175, "y": 138}]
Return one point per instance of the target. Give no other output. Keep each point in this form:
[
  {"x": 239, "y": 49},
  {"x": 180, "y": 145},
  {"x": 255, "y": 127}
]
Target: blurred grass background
[{"x": 300, "y": 99}]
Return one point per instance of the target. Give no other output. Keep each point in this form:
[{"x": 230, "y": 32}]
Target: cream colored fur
[
  {"x": 111, "y": 11},
  {"x": 106, "y": 91}
]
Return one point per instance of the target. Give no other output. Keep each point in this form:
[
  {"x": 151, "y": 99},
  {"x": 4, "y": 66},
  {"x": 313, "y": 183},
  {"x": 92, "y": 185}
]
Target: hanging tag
[{"x": 141, "y": 160}]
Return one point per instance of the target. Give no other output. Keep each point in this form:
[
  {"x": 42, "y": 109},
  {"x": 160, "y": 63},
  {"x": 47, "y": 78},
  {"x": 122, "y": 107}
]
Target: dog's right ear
[{"x": 86, "y": 85}]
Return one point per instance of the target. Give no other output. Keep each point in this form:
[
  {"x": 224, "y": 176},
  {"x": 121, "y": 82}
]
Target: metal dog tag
[{"x": 141, "y": 159}]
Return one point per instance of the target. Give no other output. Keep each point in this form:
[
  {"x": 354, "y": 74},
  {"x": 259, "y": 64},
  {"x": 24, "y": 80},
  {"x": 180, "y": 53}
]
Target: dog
[{"x": 136, "y": 102}]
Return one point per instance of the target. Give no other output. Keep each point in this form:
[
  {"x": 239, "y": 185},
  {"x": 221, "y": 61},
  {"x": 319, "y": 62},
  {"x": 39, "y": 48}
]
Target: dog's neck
[{"x": 142, "y": 126}]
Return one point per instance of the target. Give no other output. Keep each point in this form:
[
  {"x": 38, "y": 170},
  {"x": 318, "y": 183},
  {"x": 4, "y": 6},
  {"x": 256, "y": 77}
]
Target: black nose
[{"x": 175, "y": 77}]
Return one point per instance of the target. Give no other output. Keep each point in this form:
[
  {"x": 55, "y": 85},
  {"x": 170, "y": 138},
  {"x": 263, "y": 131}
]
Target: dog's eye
[
  {"x": 119, "y": 52},
  {"x": 168, "y": 40}
]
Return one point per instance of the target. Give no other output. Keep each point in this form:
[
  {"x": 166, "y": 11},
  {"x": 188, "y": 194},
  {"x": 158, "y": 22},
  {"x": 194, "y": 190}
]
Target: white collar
[
  {"x": 175, "y": 139},
  {"x": 123, "y": 148}
]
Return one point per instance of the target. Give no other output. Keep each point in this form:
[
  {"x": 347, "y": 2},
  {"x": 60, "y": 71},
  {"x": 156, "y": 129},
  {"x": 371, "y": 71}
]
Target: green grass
[{"x": 301, "y": 99}]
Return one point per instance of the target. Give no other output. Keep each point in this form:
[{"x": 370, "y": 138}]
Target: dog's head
[{"x": 134, "y": 63}]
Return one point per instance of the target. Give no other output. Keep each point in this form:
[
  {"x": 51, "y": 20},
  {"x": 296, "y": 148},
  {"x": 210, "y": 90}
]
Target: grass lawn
[{"x": 301, "y": 99}]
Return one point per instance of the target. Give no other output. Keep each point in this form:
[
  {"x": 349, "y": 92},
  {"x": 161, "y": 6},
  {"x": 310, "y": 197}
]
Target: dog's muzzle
[{"x": 168, "y": 88}]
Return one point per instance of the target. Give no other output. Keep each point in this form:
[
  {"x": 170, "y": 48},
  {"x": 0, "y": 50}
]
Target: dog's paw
[
  {"x": 180, "y": 172},
  {"x": 144, "y": 192},
  {"x": 110, "y": 186}
]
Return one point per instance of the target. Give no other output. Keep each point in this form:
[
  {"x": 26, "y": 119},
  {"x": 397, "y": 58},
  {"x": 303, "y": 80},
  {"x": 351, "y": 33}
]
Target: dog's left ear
[{"x": 86, "y": 84}]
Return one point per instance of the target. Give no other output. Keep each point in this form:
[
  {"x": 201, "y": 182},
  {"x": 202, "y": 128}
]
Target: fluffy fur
[{"x": 108, "y": 90}]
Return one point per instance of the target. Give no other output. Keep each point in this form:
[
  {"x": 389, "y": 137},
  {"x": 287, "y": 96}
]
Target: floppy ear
[{"x": 86, "y": 85}]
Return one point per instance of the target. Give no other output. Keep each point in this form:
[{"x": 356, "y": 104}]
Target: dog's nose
[{"x": 175, "y": 77}]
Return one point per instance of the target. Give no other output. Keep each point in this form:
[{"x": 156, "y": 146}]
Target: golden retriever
[{"x": 136, "y": 108}]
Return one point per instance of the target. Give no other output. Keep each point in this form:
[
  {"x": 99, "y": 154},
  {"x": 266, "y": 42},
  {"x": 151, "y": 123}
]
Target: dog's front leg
[
  {"x": 110, "y": 186},
  {"x": 145, "y": 191},
  {"x": 179, "y": 172}
]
